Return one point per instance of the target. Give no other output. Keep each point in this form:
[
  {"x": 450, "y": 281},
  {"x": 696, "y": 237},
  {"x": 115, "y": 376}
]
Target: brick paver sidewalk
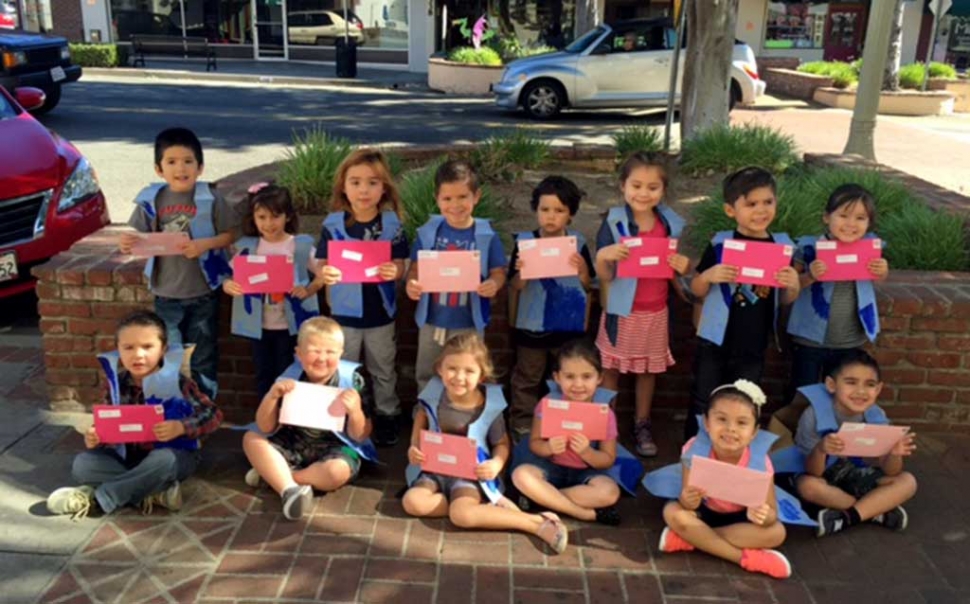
[{"x": 231, "y": 544}]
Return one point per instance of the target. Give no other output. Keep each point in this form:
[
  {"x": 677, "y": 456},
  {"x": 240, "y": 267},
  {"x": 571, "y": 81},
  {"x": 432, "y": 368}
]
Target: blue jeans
[
  {"x": 195, "y": 321},
  {"x": 127, "y": 481},
  {"x": 810, "y": 365}
]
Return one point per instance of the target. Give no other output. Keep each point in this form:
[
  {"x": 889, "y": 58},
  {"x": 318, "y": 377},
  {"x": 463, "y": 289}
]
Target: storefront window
[
  {"x": 158, "y": 17},
  {"x": 380, "y": 24},
  {"x": 37, "y": 16},
  {"x": 796, "y": 24},
  {"x": 537, "y": 22}
]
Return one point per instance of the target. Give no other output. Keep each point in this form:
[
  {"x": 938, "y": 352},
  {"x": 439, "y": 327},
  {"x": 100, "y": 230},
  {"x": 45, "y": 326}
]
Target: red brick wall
[{"x": 66, "y": 15}]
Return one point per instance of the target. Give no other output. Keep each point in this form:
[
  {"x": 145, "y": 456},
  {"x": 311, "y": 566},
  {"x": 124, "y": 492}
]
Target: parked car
[
  {"x": 323, "y": 27},
  {"x": 626, "y": 64},
  {"x": 49, "y": 193},
  {"x": 39, "y": 61}
]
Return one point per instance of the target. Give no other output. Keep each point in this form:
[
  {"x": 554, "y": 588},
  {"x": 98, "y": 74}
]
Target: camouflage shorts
[{"x": 301, "y": 452}]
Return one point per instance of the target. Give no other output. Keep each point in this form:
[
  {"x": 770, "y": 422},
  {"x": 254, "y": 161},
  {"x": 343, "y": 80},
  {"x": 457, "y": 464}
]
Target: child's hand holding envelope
[
  {"x": 547, "y": 257},
  {"x": 314, "y": 406},
  {"x": 729, "y": 482},
  {"x": 448, "y": 271},
  {"x": 872, "y": 440},
  {"x": 448, "y": 455}
]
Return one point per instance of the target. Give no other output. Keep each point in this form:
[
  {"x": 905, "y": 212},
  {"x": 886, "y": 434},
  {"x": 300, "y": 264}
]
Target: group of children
[{"x": 834, "y": 380}]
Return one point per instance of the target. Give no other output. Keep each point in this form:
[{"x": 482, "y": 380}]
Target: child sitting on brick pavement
[
  {"x": 186, "y": 287},
  {"x": 294, "y": 460},
  {"x": 459, "y": 402},
  {"x": 149, "y": 473}
]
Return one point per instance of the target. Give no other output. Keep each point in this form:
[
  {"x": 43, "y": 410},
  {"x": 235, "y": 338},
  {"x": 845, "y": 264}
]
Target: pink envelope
[
  {"x": 869, "y": 440},
  {"x": 547, "y": 257},
  {"x": 120, "y": 424},
  {"x": 313, "y": 406},
  {"x": 648, "y": 258},
  {"x": 358, "y": 261},
  {"x": 729, "y": 482},
  {"x": 160, "y": 244},
  {"x": 757, "y": 261},
  {"x": 848, "y": 261},
  {"x": 562, "y": 418},
  {"x": 263, "y": 274},
  {"x": 451, "y": 271},
  {"x": 449, "y": 455}
]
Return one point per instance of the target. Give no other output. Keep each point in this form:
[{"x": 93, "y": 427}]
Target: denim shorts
[{"x": 561, "y": 477}]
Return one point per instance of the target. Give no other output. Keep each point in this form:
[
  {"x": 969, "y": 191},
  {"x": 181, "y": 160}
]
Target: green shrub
[
  {"x": 637, "y": 138},
  {"x": 505, "y": 155},
  {"x": 310, "y": 167},
  {"x": 942, "y": 70},
  {"x": 94, "y": 55},
  {"x": 470, "y": 56},
  {"x": 911, "y": 76},
  {"x": 417, "y": 196},
  {"x": 727, "y": 148},
  {"x": 843, "y": 74},
  {"x": 510, "y": 48},
  {"x": 916, "y": 236}
]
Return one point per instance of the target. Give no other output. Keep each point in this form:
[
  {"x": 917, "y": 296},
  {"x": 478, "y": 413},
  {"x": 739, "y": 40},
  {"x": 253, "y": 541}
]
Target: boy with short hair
[
  {"x": 850, "y": 493},
  {"x": 443, "y": 315},
  {"x": 294, "y": 460},
  {"x": 736, "y": 319},
  {"x": 186, "y": 287}
]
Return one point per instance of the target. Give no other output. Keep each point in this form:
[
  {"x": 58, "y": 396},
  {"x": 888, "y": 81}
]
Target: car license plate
[
  {"x": 8, "y": 266},
  {"x": 57, "y": 74}
]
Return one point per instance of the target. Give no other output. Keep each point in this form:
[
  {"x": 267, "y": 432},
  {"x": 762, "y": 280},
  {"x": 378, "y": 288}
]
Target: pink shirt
[
  {"x": 718, "y": 505},
  {"x": 571, "y": 459},
  {"x": 651, "y": 294},
  {"x": 274, "y": 315}
]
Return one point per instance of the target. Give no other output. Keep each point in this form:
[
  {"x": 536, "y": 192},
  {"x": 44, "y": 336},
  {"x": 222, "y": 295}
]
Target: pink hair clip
[{"x": 257, "y": 187}]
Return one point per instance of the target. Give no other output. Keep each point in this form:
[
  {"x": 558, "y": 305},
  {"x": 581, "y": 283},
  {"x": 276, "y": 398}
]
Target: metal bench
[{"x": 172, "y": 45}]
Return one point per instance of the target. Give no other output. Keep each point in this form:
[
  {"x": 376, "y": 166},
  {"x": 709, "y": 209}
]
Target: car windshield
[{"x": 580, "y": 44}]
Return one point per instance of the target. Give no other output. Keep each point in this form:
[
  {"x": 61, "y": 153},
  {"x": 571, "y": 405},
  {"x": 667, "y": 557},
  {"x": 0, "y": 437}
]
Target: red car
[{"x": 49, "y": 193}]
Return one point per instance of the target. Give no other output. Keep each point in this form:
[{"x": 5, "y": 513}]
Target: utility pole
[{"x": 874, "y": 57}]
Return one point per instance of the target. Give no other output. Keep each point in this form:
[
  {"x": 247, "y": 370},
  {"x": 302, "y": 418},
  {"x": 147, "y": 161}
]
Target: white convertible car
[{"x": 626, "y": 64}]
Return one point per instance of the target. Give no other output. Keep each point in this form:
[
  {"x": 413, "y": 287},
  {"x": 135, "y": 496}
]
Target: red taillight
[
  {"x": 751, "y": 72},
  {"x": 360, "y": 26}
]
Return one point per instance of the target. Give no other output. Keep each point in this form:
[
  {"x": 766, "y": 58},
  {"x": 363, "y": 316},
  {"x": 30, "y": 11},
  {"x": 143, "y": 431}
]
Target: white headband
[{"x": 754, "y": 392}]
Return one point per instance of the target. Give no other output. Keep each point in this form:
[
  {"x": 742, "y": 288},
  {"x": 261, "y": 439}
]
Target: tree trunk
[
  {"x": 587, "y": 17},
  {"x": 890, "y": 77},
  {"x": 707, "y": 66}
]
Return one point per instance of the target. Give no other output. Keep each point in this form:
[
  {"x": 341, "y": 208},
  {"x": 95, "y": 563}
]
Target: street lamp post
[{"x": 874, "y": 58}]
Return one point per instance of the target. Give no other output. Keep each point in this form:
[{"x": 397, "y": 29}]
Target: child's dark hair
[
  {"x": 144, "y": 318},
  {"x": 277, "y": 200},
  {"x": 453, "y": 171},
  {"x": 177, "y": 137},
  {"x": 560, "y": 186},
  {"x": 746, "y": 180},
  {"x": 851, "y": 358},
  {"x": 733, "y": 393},
  {"x": 644, "y": 159},
  {"x": 581, "y": 348},
  {"x": 849, "y": 194}
]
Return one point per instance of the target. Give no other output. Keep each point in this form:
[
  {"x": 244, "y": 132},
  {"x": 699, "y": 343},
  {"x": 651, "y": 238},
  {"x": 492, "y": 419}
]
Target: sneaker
[
  {"x": 170, "y": 499},
  {"x": 609, "y": 516},
  {"x": 76, "y": 501},
  {"x": 645, "y": 445},
  {"x": 387, "y": 430},
  {"x": 895, "y": 519},
  {"x": 297, "y": 501},
  {"x": 768, "y": 561},
  {"x": 671, "y": 542},
  {"x": 831, "y": 522},
  {"x": 253, "y": 479}
]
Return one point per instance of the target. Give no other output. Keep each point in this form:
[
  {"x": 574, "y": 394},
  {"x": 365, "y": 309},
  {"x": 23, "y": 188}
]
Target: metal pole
[
  {"x": 934, "y": 29},
  {"x": 674, "y": 69},
  {"x": 874, "y": 58}
]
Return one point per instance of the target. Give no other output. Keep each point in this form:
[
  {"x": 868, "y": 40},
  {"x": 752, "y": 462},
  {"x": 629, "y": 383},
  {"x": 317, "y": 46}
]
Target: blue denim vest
[
  {"x": 480, "y": 307},
  {"x": 810, "y": 314},
  {"x": 346, "y": 298},
  {"x": 551, "y": 305},
  {"x": 214, "y": 265},
  {"x": 247, "y": 309},
  {"x": 495, "y": 404}
]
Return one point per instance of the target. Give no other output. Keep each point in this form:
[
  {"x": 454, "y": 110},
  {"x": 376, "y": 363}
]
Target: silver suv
[{"x": 626, "y": 64}]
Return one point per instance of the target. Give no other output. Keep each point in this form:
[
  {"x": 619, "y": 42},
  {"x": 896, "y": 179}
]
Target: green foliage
[
  {"x": 843, "y": 74},
  {"x": 917, "y": 237},
  {"x": 470, "y": 56},
  {"x": 911, "y": 76},
  {"x": 637, "y": 138},
  {"x": 418, "y": 198},
  {"x": 505, "y": 155},
  {"x": 310, "y": 167},
  {"x": 725, "y": 148},
  {"x": 942, "y": 70},
  {"x": 94, "y": 55},
  {"x": 395, "y": 162},
  {"x": 510, "y": 48}
]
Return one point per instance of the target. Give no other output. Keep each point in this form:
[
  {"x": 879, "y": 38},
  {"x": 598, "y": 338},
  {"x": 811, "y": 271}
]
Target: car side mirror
[{"x": 29, "y": 98}]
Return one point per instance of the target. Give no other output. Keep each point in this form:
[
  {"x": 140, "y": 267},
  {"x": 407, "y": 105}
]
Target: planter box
[
  {"x": 904, "y": 102},
  {"x": 960, "y": 89},
  {"x": 459, "y": 78},
  {"x": 796, "y": 84}
]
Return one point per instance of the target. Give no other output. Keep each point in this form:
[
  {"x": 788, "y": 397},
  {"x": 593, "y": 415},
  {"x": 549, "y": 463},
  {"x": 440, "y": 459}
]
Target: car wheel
[
  {"x": 52, "y": 96},
  {"x": 543, "y": 99},
  {"x": 735, "y": 96}
]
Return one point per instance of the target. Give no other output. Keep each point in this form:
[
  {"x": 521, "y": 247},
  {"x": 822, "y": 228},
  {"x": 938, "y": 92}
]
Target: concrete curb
[{"x": 174, "y": 74}]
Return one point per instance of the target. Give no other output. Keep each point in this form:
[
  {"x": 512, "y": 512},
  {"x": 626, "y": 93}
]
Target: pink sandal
[{"x": 553, "y": 532}]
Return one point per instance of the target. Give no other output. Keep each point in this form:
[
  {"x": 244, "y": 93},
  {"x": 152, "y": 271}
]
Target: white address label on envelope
[
  {"x": 352, "y": 255},
  {"x": 650, "y": 261},
  {"x": 757, "y": 273},
  {"x": 130, "y": 428},
  {"x": 260, "y": 278},
  {"x": 450, "y": 271},
  {"x": 847, "y": 259}
]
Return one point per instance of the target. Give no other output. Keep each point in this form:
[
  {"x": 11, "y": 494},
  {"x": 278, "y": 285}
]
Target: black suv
[{"x": 36, "y": 60}]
